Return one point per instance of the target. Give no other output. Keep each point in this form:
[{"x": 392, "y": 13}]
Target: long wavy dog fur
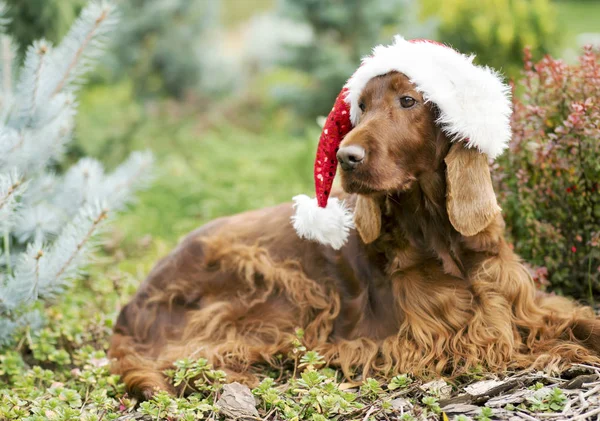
[{"x": 426, "y": 284}]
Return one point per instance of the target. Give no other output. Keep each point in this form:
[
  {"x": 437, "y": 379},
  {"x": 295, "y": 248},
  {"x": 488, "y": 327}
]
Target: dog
[{"x": 426, "y": 284}]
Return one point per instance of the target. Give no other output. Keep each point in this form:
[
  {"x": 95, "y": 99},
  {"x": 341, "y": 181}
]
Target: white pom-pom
[{"x": 330, "y": 226}]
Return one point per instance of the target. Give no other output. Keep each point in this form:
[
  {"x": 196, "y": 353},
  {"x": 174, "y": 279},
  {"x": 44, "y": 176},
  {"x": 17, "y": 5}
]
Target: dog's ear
[
  {"x": 471, "y": 201},
  {"x": 367, "y": 218}
]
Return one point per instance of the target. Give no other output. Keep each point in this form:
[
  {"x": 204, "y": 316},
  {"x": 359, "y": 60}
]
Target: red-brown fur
[{"x": 409, "y": 294}]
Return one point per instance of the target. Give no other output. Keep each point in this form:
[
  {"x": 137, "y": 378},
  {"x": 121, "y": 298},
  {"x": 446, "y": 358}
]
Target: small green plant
[
  {"x": 310, "y": 379},
  {"x": 269, "y": 396},
  {"x": 432, "y": 404},
  {"x": 196, "y": 375},
  {"x": 160, "y": 406},
  {"x": 298, "y": 349},
  {"x": 549, "y": 401},
  {"x": 320, "y": 395},
  {"x": 536, "y": 386},
  {"x": 486, "y": 414},
  {"x": 164, "y": 406},
  {"x": 399, "y": 382},
  {"x": 371, "y": 389},
  {"x": 311, "y": 360}
]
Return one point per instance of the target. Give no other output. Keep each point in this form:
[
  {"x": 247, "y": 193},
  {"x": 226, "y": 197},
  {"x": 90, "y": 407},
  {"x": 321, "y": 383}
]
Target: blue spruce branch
[
  {"x": 29, "y": 83},
  {"x": 12, "y": 187},
  {"x": 83, "y": 44},
  {"x": 50, "y": 223},
  {"x": 8, "y": 54}
]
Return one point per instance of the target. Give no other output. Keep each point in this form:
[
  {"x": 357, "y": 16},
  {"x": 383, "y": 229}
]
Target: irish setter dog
[{"x": 425, "y": 285}]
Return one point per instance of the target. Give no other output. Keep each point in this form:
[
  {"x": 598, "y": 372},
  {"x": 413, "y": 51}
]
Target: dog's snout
[{"x": 350, "y": 156}]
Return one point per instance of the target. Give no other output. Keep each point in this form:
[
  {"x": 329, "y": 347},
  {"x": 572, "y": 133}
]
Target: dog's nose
[{"x": 350, "y": 156}]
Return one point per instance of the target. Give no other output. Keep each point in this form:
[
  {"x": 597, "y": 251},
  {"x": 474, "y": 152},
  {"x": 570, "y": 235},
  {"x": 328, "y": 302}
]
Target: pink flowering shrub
[{"x": 549, "y": 181}]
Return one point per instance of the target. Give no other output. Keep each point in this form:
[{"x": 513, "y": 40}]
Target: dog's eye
[
  {"x": 407, "y": 102},
  {"x": 362, "y": 106}
]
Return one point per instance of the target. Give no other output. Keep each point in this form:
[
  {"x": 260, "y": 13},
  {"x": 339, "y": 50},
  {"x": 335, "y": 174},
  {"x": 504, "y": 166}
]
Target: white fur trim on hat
[
  {"x": 474, "y": 102},
  {"x": 329, "y": 226}
]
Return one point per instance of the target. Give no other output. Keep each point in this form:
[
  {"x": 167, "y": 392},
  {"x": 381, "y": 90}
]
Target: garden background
[{"x": 229, "y": 96}]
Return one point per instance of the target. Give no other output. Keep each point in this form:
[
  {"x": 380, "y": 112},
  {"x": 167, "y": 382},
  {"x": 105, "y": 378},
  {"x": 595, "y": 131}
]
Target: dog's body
[{"x": 425, "y": 285}]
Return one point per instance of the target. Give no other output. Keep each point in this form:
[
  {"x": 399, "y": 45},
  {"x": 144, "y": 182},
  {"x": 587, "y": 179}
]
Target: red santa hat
[{"x": 474, "y": 104}]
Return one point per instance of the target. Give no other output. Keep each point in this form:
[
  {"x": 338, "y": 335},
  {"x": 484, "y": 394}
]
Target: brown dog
[{"x": 425, "y": 285}]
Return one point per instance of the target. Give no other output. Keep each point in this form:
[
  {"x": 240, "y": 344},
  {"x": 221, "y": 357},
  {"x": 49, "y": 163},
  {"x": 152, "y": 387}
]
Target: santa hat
[{"x": 474, "y": 105}]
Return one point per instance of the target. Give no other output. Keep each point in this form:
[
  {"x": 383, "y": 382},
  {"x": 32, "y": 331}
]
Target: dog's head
[{"x": 396, "y": 142}]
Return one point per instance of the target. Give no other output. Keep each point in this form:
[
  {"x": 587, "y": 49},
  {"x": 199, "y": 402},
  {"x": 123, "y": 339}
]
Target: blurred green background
[{"x": 227, "y": 93}]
